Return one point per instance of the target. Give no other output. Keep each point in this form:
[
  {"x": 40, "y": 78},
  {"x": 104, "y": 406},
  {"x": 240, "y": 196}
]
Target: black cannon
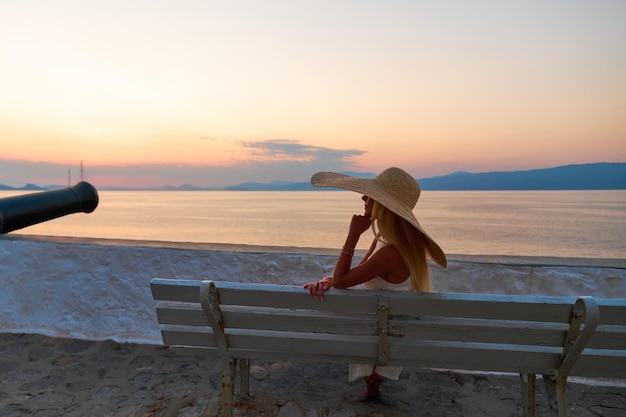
[{"x": 25, "y": 210}]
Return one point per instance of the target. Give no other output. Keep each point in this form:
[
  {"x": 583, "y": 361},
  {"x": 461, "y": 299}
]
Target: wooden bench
[{"x": 526, "y": 335}]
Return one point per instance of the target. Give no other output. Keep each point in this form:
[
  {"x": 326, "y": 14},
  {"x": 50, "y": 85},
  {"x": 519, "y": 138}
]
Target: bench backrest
[{"x": 521, "y": 334}]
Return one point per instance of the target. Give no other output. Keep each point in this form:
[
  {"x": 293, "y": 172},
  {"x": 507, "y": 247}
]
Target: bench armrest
[
  {"x": 585, "y": 314},
  {"x": 210, "y": 302}
]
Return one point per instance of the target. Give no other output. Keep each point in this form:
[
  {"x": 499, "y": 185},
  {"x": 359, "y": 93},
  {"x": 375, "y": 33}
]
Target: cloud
[
  {"x": 285, "y": 149},
  {"x": 278, "y": 159}
]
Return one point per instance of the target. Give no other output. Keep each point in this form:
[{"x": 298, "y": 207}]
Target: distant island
[{"x": 596, "y": 176}]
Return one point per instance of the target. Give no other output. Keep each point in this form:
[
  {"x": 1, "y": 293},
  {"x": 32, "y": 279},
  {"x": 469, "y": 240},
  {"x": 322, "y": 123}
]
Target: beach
[
  {"x": 55, "y": 377},
  {"x": 79, "y": 337}
]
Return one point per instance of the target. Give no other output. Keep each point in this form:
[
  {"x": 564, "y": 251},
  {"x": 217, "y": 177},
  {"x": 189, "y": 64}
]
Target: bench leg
[
  {"x": 557, "y": 397},
  {"x": 529, "y": 388},
  {"x": 229, "y": 368},
  {"x": 244, "y": 377}
]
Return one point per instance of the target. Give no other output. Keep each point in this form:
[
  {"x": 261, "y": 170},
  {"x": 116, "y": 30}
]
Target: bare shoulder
[
  {"x": 389, "y": 253},
  {"x": 392, "y": 267}
]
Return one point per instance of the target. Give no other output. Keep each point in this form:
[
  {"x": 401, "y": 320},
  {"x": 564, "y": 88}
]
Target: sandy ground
[{"x": 53, "y": 377}]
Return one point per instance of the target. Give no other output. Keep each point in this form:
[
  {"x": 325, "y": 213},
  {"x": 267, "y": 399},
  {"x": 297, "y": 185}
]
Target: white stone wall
[{"x": 100, "y": 290}]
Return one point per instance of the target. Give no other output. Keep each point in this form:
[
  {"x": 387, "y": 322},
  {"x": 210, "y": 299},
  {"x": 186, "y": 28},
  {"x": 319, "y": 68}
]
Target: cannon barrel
[{"x": 25, "y": 210}]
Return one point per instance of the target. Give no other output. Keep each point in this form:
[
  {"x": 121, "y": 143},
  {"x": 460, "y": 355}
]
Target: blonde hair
[{"x": 409, "y": 241}]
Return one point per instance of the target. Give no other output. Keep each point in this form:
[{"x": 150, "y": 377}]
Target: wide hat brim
[{"x": 376, "y": 189}]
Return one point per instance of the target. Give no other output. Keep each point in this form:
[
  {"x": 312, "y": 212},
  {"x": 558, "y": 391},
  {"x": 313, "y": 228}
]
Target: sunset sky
[{"x": 152, "y": 93}]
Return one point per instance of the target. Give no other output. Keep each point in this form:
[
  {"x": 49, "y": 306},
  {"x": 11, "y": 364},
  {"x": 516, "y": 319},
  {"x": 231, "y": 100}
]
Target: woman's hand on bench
[{"x": 316, "y": 289}]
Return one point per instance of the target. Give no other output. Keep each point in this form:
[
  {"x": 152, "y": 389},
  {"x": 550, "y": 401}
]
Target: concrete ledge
[{"x": 99, "y": 289}]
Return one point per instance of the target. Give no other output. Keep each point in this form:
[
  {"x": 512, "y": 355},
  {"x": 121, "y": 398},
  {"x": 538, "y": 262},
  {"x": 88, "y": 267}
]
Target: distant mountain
[
  {"x": 184, "y": 187},
  {"x": 273, "y": 186},
  {"x": 27, "y": 187},
  {"x": 597, "y": 176},
  {"x": 286, "y": 185}
]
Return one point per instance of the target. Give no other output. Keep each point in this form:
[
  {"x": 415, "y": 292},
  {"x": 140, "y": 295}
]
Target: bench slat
[
  {"x": 273, "y": 319},
  {"x": 259, "y": 295},
  {"x": 612, "y": 311},
  {"x": 182, "y": 290},
  {"x": 188, "y": 336},
  {"x": 279, "y": 344},
  {"x": 542, "y": 309},
  {"x": 488, "y": 331},
  {"x": 302, "y": 321},
  {"x": 601, "y": 363},
  {"x": 530, "y": 308},
  {"x": 608, "y": 337},
  {"x": 296, "y": 298},
  {"x": 181, "y": 314},
  {"x": 476, "y": 356}
]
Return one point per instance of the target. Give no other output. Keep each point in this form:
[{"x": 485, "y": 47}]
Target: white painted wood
[
  {"x": 612, "y": 311},
  {"x": 475, "y": 330},
  {"x": 175, "y": 290},
  {"x": 608, "y": 337},
  {"x": 306, "y": 321},
  {"x": 601, "y": 363},
  {"x": 484, "y": 306}
]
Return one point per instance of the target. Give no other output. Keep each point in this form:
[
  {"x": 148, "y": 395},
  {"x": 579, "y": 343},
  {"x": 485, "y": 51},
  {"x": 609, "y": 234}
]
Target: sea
[{"x": 581, "y": 224}]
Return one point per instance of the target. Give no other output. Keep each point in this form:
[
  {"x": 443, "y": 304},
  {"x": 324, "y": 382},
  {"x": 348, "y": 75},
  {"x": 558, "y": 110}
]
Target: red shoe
[{"x": 372, "y": 384}]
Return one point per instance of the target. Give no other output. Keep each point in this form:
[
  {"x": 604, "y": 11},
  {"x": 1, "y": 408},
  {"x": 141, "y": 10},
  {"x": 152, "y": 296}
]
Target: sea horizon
[
  {"x": 571, "y": 224},
  {"x": 585, "y": 176}
]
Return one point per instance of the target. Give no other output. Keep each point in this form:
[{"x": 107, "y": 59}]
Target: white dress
[{"x": 362, "y": 370}]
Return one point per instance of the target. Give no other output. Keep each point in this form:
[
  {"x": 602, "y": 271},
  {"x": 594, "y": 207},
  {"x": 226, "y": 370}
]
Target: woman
[{"x": 396, "y": 259}]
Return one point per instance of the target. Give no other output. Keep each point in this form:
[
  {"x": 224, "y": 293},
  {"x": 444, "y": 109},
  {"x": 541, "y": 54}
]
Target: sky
[{"x": 213, "y": 93}]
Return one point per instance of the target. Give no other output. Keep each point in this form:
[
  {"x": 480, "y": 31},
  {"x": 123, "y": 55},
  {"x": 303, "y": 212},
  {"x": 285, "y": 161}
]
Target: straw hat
[{"x": 393, "y": 188}]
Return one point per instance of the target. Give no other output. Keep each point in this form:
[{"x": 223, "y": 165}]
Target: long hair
[{"x": 408, "y": 240}]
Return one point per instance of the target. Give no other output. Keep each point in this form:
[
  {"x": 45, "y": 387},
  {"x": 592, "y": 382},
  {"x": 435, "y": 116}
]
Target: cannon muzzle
[{"x": 25, "y": 210}]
